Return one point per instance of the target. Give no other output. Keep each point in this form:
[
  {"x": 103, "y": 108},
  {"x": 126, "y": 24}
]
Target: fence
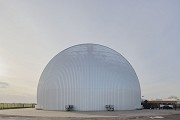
[{"x": 16, "y": 105}]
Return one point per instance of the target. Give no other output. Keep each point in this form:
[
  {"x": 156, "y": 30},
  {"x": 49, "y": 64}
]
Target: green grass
[{"x": 16, "y": 105}]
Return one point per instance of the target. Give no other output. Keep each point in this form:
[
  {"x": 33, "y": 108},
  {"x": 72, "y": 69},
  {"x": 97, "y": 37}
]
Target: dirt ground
[{"x": 166, "y": 117}]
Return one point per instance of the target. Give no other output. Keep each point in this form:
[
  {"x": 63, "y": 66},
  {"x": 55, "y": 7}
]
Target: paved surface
[
  {"x": 166, "y": 117},
  {"x": 42, "y": 113},
  {"x": 33, "y": 114}
]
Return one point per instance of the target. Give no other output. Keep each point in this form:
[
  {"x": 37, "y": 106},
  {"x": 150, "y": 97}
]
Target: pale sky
[{"x": 145, "y": 32}]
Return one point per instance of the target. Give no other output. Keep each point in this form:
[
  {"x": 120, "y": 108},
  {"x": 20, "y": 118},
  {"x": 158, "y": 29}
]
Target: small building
[
  {"x": 168, "y": 103},
  {"x": 163, "y": 104}
]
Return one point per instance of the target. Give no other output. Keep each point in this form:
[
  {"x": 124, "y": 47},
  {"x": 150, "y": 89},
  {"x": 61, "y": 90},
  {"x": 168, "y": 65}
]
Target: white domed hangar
[{"x": 88, "y": 77}]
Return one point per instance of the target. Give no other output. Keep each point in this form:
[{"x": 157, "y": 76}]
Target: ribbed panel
[{"x": 88, "y": 76}]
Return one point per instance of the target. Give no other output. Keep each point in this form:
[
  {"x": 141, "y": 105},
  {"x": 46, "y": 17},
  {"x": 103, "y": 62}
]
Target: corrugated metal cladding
[{"x": 88, "y": 76}]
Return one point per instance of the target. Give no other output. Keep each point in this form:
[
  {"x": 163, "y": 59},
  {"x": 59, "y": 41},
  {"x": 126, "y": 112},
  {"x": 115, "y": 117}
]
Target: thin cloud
[{"x": 4, "y": 84}]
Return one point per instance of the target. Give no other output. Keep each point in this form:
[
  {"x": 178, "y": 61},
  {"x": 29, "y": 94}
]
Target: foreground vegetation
[{"x": 16, "y": 105}]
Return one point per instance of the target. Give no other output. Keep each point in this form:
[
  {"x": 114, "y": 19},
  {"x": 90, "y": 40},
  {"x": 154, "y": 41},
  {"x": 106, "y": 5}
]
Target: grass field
[{"x": 16, "y": 105}]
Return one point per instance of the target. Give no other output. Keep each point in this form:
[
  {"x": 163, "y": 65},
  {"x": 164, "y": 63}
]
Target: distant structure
[
  {"x": 171, "y": 98},
  {"x": 88, "y": 77},
  {"x": 171, "y": 102}
]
